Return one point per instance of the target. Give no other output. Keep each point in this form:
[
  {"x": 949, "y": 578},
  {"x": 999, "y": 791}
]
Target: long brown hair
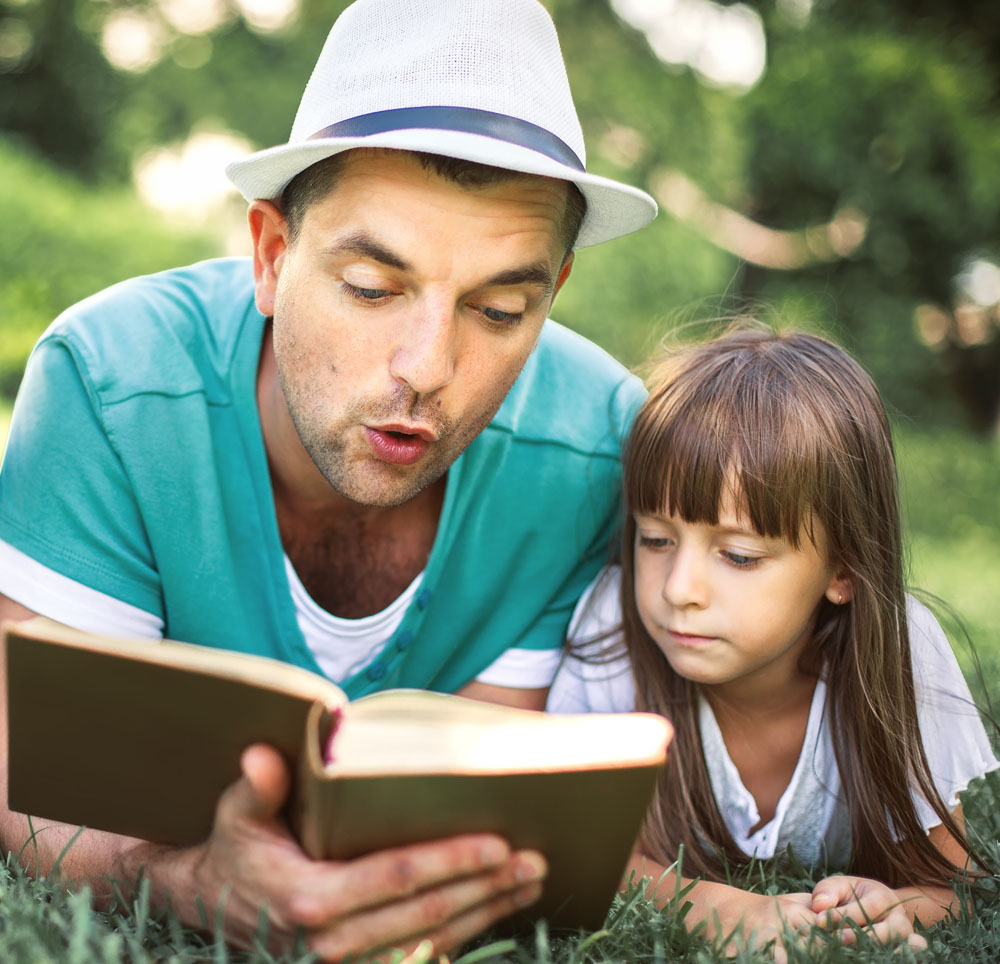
[{"x": 805, "y": 431}]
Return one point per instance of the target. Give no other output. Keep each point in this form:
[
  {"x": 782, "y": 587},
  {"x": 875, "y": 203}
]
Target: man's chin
[{"x": 381, "y": 485}]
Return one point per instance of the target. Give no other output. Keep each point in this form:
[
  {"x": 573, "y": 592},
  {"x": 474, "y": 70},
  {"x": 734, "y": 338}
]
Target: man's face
[{"x": 403, "y": 312}]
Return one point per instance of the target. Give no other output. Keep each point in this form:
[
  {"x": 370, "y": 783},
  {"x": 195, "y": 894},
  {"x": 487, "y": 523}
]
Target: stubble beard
[{"x": 342, "y": 455}]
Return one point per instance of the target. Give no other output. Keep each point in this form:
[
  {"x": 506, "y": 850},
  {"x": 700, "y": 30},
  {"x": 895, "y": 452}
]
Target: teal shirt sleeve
[{"x": 65, "y": 497}]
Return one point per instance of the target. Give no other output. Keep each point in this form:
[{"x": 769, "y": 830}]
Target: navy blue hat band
[{"x": 466, "y": 120}]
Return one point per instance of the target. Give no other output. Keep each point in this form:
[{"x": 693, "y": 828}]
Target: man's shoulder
[
  {"x": 173, "y": 330},
  {"x": 571, "y": 393}
]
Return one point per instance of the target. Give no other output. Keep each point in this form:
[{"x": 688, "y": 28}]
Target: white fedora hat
[{"x": 481, "y": 80}]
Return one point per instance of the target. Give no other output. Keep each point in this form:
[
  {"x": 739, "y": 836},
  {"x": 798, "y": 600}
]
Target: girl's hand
[
  {"x": 869, "y": 904},
  {"x": 757, "y": 920}
]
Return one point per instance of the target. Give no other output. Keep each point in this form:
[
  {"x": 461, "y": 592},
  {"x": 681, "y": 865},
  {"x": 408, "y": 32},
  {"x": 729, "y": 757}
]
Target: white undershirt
[{"x": 340, "y": 646}]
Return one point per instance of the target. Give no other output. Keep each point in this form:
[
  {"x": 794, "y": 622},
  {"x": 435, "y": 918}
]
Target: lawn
[
  {"x": 953, "y": 528},
  {"x": 39, "y": 922}
]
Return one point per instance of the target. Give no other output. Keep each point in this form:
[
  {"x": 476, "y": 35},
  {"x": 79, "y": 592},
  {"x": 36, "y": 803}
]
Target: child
[{"x": 760, "y": 603}]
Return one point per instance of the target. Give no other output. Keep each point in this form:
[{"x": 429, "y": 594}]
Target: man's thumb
[{"x": 261, "y": 790}]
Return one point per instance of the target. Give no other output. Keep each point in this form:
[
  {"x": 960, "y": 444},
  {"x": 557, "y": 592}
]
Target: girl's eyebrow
[
  {"x": 723, "y": 527},
  {"x": 739, "y": 531}
]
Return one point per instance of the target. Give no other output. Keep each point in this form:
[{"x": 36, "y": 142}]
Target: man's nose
[
  {"x": 686, "y": 582},
  {"x": 425, "y": 350}
]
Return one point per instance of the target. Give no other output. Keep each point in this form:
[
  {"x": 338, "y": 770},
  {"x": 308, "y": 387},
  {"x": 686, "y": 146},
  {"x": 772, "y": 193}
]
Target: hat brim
[{"x": 613, "y": 208}]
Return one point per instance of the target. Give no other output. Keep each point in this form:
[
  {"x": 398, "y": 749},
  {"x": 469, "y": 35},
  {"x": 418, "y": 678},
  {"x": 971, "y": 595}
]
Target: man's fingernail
[
  {"x": 530, "y": 866},
  {"x": 524, "y": 896},
  {"x": 493, "y": 852}
]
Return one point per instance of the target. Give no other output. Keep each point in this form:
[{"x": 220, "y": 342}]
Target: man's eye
[
  {"x": 502, "y": 317},
  {"x": 365, "y": 295}
]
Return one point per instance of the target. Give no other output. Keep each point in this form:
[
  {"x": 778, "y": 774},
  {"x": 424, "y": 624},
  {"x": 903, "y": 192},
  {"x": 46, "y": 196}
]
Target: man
[{"x": 368, "y": 454}]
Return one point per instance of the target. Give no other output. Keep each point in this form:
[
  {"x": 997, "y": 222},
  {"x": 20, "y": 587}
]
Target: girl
[{"x": 760, "y": 606}]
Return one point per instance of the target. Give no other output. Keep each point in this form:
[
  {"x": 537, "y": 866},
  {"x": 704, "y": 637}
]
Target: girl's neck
[
  {"x": 760, "y": 698},
  {"x": 764, "y": 737}
]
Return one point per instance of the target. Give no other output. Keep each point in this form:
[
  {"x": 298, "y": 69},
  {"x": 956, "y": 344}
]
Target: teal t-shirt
[{"x": 135, "y": 465}]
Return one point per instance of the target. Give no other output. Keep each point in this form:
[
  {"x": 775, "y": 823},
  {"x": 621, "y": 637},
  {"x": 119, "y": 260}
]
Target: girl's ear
[{"x": 841, "y": 588}]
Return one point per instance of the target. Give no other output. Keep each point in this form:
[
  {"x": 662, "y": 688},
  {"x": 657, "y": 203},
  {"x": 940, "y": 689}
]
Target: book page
[{"x": 414, "y": 734}]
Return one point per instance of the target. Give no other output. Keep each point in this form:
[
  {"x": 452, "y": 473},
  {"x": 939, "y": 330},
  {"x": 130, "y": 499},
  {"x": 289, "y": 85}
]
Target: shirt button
[
  {"x": 403, "y": 640},
  {"x": 423, "y": 598},
  {"x": 376, "y": 671}
]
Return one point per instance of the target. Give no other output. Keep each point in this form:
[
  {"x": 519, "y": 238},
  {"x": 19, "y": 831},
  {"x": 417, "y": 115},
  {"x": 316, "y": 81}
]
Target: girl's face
[{"x": 727, "y": 605}]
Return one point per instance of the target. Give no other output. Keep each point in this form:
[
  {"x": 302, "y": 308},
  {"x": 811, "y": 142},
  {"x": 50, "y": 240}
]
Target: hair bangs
[
  {"x": 721, "y": 433},
  {"x": 677, "y": 462}
]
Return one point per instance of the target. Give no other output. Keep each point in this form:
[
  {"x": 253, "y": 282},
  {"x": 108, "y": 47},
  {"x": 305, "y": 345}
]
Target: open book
[{"x": 140, "y": 737}]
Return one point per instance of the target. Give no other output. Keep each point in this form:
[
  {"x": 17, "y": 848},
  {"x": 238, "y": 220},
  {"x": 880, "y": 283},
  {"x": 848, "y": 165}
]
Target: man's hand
[
  {"x": 869, "y": 904},
  {"x": 446, "y": 891}
]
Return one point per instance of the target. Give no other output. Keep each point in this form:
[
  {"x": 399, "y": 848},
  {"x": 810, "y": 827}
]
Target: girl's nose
[{"x": 686, "y": 582}]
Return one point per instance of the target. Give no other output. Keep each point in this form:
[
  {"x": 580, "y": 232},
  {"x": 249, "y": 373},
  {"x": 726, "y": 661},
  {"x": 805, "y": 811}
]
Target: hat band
[{"x": 467, "y": 120}]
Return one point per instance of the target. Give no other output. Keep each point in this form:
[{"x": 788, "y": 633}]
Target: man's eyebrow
[
  {"x": 368, "y": 247},
  {"x": 531, "y": 274}
]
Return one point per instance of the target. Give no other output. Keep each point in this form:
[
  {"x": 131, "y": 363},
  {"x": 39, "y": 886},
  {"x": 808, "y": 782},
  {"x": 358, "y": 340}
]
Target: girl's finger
[{"x": 893, "y": 928}]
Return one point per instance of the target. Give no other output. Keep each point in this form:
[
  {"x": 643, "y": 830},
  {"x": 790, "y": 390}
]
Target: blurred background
[{"x": 832, "y": 163}]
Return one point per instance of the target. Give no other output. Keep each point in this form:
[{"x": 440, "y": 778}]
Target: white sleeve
[
  {"x": 49, "y": 593},
  {"x": 955, "y": 741},
  {"x": 531, "y": 668},
  {"x": 595, "y": 675}
]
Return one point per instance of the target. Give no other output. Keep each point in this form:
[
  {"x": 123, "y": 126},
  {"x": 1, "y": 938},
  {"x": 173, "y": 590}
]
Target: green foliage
[
  {"x": 888, "y": 108},
  {"x": 900, "y": 123},
  {"x": 948, "y": 483},
  {"x": 65, "y": 241}
]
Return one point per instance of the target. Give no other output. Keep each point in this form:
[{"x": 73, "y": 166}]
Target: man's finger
[
  {"x": 447, "y": 913},
  {"x": 461, "y": 929},
  {"x": 391, "y": 875}
]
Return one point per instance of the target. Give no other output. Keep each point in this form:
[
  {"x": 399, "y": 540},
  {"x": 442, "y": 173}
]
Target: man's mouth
[{"x": 398, "y": 447}]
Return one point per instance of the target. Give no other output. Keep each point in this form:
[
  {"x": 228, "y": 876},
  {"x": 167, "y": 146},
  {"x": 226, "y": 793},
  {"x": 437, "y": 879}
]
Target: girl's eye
[
  {"x": 739, "y": 560},
  {"x": 654, "y": 542},
  {"x": 501, "y": 317},
  {"x": 365, "y": 295}
]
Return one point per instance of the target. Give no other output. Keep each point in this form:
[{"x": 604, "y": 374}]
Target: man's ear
[
  {"x": 841, "y": 588},
  {"x": 564, "y": 271},
  {"x": 269, "y": 232}
]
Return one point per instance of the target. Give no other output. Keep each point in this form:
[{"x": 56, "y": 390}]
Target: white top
[
  {"x": 340, "y": 646},
  {"x": 811, "y": 815}
]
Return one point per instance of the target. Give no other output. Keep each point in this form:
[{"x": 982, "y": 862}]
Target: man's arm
[
  {"x": 522, "y": 698},
  {"x": 447, "y": 891}
]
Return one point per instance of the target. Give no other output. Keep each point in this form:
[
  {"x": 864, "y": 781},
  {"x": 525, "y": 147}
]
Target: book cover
[{"x": 140, "y": 737}]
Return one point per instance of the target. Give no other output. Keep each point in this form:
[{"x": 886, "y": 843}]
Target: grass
[{"x": 41, "y": 922}]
